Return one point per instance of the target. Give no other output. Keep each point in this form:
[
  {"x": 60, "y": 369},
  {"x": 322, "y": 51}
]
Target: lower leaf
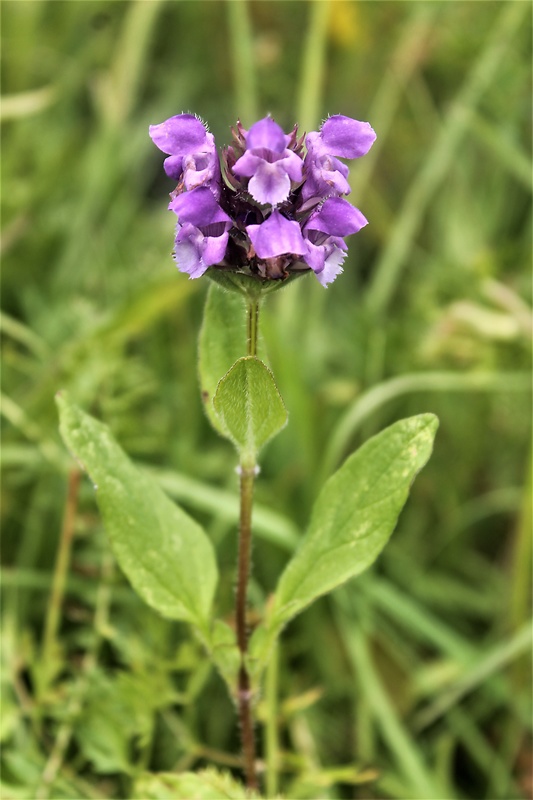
[
  {"x": 165, "y": 554},
  {"x": 352, "y": 520}
]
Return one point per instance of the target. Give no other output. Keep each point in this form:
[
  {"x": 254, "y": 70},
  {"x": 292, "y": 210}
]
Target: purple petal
[
  {"x": 193, "y": 178},
  {"x": 173, "y": 166},
  {"x": 326, "y": 176},
  {"x": 333, "y": 175},
  {"x": 199, "y": 208},
  {"x": 321, "y": 249},
  {"x": 293, "y": 165},
  {"x": 187, "y": 250},
  {"x": 315, "y": 256},
  {"x": 270, "y": 184},
  {"x": 311, "y": 193},
  {"x": 346, "y": 137},
  {"x": 194, "y": 252},
  {"x": 188, "y": 260},
  {"x": 179, "y": 135},
  {"x": 313, "y": 142},
  {"x": 247, "y": 165},
  {"x": 266, "y": 134},
  {"x": 270, "y": 180},
  {"x": 277, "y": 236},
  {"x": 336, "y": 218},
  {"x": 201, "y": 169},
  {"x": 214, "y": 249},
  {"x": 332, "y": 267}
]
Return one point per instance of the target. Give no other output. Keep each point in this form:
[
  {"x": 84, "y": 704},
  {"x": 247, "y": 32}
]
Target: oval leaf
[
  {"x": 354, "y": 515},
  {"x": 164, "y": 553},
  {"x": 249, "y": 407}
]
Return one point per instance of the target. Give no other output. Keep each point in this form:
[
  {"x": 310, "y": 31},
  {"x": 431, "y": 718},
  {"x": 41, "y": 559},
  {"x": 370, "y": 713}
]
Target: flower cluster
[{"x": 274, "y": 208}]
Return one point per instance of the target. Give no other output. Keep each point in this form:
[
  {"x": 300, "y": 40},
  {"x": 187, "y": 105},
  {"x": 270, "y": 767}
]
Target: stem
[
  {"x": 252, "y": 325},
  {"x": 247, "y": 473},
  {"x": 245, "y": 542},
  {"x": 244, "y": 693}
]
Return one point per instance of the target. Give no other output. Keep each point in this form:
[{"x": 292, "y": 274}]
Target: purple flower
[
  {"x": 268, "y": 163},
  {"x": 341, "y": 137},
  {"x": 324, "y": 233},
  {"x": 278, "y": 210},
  {"x": 193, "y": 159},
  {"x": 202, "y": 231}
]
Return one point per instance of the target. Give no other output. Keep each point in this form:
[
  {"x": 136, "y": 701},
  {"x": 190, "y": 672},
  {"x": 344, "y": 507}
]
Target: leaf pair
[
  {"x": 240, "y": 395},
  {"x": 170, "y": 561}
]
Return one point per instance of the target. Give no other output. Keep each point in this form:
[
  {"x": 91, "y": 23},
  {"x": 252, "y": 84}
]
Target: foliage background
[{"x": 413, "y": 681}]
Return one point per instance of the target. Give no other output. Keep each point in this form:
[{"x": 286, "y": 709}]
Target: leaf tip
[{"x": 430, "y": 421}]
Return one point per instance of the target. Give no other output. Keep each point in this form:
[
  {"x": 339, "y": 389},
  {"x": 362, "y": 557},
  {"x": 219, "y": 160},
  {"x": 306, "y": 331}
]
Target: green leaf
[
  {"x": 165, "y": 554},
  {"x": 354, "y": 515},
  {"x": 249, "y": 407},
  {"x": 222, "y": 341},
  {"x": 206, "y": 785},
  {"x": 104, "y": 730}
]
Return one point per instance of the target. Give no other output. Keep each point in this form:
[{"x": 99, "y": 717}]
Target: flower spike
[{"x": 275, "y": 209}]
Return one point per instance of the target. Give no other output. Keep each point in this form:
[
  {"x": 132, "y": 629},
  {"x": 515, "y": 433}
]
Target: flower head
[{"x": 279, "y": 210}]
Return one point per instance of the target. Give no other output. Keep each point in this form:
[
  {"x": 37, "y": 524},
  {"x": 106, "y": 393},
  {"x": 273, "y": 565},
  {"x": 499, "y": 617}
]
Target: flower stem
[
  {"x": 247, "y": 478},
  {"x": 245, "y": 541},
  {"x": 244, "y": 694},
  {"x": 252, "y": 325}
]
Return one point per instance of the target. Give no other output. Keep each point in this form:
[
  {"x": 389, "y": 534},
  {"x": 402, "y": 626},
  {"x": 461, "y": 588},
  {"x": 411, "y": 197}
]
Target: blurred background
[{"x": 413, "y": 681}]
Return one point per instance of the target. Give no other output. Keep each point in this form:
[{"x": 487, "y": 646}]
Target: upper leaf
[
  {"x": 249, "y": 407},
  {"x": 222, "y": 341},
  {"x": 165, "y": 554},
  {"x": 354, "y": 515}
]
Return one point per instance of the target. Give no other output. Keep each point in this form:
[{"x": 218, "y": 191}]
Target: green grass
[{"x": 413, "y": 681}]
